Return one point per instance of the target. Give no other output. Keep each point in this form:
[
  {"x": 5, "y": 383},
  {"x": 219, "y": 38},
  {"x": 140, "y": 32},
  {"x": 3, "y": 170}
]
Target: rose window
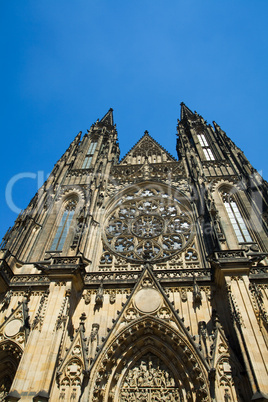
[
  {"x": 148, "y": 226},
  {"x": 148, "y": 222}
]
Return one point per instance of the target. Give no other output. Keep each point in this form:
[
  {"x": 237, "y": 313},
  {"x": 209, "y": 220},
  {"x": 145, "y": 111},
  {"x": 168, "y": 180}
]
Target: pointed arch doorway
[{"x": 149, "y": 361}]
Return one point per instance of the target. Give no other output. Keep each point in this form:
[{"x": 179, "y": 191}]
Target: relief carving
[{"x": 149, "y": 380}]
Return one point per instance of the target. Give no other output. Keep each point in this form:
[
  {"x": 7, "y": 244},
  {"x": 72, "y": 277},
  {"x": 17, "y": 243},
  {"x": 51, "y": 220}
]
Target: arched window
[
  {"x": 236, "y": 218},
  {"x": 63, "y": 228},
  {"x": 206, "y": 149},
  {"x": 89, "y": 155}
]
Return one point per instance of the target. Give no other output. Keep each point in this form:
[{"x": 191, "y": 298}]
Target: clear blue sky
[{"x": 65, "y": 63}]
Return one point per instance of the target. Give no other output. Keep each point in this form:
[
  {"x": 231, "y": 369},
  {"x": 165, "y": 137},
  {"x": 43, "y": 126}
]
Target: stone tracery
[{"x": 149, "y": 221}]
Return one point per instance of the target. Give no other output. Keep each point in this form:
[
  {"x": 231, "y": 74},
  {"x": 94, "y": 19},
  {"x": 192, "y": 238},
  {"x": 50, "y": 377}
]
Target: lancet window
[
  {"x": 236, "y": 218},
  {"x": 64, "y": 226},
  {"x": 89, "y": 155},
  {"x": 206, "y": 149}
]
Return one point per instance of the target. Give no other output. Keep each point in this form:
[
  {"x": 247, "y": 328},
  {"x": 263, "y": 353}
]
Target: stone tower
[{"x": 143, "y": 279}]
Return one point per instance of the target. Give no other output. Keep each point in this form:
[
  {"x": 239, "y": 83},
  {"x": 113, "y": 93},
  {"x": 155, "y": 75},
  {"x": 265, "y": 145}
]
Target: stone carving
[
  {"x": 70, "y": 384},
  {"x": 94, "y": 339},
  {"x": 231, "y": 254},
  {"x": 235, "y": 312},
  {"x": 173, "y": 170},
  {"x": 227, "y": 396},
  {"x": 63, "y": 313},
  {"x": 112, "y": 297},
  {"x": 39, "y": 318},
  {"x": 258, "y": 303},
  {"x": 80, "y": 221},
  {"x": 164, "y": 313},
  {"x": 161, "y": 275},
  {"x": 66, "y": 260},
  {"x": 183, "y": 293},
  {"x": 149, "y": 380},
  {"x": 197, "y": 296},
  {"x": 106, "y": 258},
  {"x": 191, "y": 255},
  {"x": 148, "y": 221},
  {"x": 99, "y": 295},
  {"x": 29, "y": 279},
  {"x": 225, "y": 371},
  {"x": 131, "y": 314},
  {"x": 7, "y": 299},
  {"x": 87, "y": 296}
]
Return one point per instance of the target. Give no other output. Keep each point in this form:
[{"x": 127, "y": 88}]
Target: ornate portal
[
  {"x": 149, "y": 380},
  {"x": 148, "y": 221}
]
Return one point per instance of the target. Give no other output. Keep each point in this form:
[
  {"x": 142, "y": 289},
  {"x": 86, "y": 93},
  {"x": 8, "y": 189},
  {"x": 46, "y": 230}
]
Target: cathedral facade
[{"x": 140, "y": 279}]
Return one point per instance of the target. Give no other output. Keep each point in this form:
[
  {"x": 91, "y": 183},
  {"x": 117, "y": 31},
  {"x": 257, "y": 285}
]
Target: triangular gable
[
  {"x": 77, "y": 350},
  {"x": 225, "y": 366},
  {"x": 144, "y": 145},
  {"x": 16, "y": 326},
  {"x": 73, "y": 366},
  {"x": 220, "y": 347},
  {"x": 149, "y": 299},
  {"x": 147, "y": 324}
]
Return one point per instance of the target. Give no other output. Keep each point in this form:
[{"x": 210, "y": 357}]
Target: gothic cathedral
[{"x": 141, "y": 279}]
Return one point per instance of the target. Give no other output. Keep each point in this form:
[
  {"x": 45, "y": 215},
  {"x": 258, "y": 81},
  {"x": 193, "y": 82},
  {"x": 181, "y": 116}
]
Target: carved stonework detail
[
  {"x": 112, "y": 297},
  {"x": 63, "y": 313},
  {"x": 39, "y": 318},
  {"x": 258, "y": 303},
  {"x": 149, "y": 221},
  {"x": 235, "y": 313},
  {"x": 87, "y": 296},
  {"x": 71, "y": 379},
  {"x": 149, "y": 380},
  {"x": 183, "y": 293}
]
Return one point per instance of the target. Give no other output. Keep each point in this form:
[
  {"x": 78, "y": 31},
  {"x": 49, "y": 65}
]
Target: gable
[{"x": 147, "y": 149}]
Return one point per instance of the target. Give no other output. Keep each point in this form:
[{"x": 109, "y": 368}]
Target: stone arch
[
  {"x": 150, "y": 335},
  {"x": 230, "y": 194},
  {"x": 73, "y": 191},
  {"x": 224, "y": 227},
  {"x": 69, "y": 195},
  {"x": 70, "y": 379},
  {"x": 10, "y": 355},
  {"x": 227, "y": 378}
]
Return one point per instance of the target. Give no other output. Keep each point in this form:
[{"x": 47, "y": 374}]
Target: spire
[
  {"x": 216, "y": 126},
  {"x": 185, "y": 111},
  {"x": 108, "y": 119}
]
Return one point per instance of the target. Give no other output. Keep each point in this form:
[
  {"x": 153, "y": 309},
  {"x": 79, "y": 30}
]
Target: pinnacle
[
  {"x": 108, "y": 118},
  {"x": 185, "y": 111}
]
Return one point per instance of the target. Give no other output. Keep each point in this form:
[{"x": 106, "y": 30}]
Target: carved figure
[
  {"x": 99, "y": 295},
  {"x": 149, "y": 380},
  {"x": 197, "y": 297},
  {"x": 87, "y": 296},
  {"x": 227, "y": 396}
]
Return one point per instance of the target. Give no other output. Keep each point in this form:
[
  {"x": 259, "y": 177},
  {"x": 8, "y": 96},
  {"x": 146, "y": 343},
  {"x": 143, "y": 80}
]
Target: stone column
[{"x": 232, "y": 268}]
